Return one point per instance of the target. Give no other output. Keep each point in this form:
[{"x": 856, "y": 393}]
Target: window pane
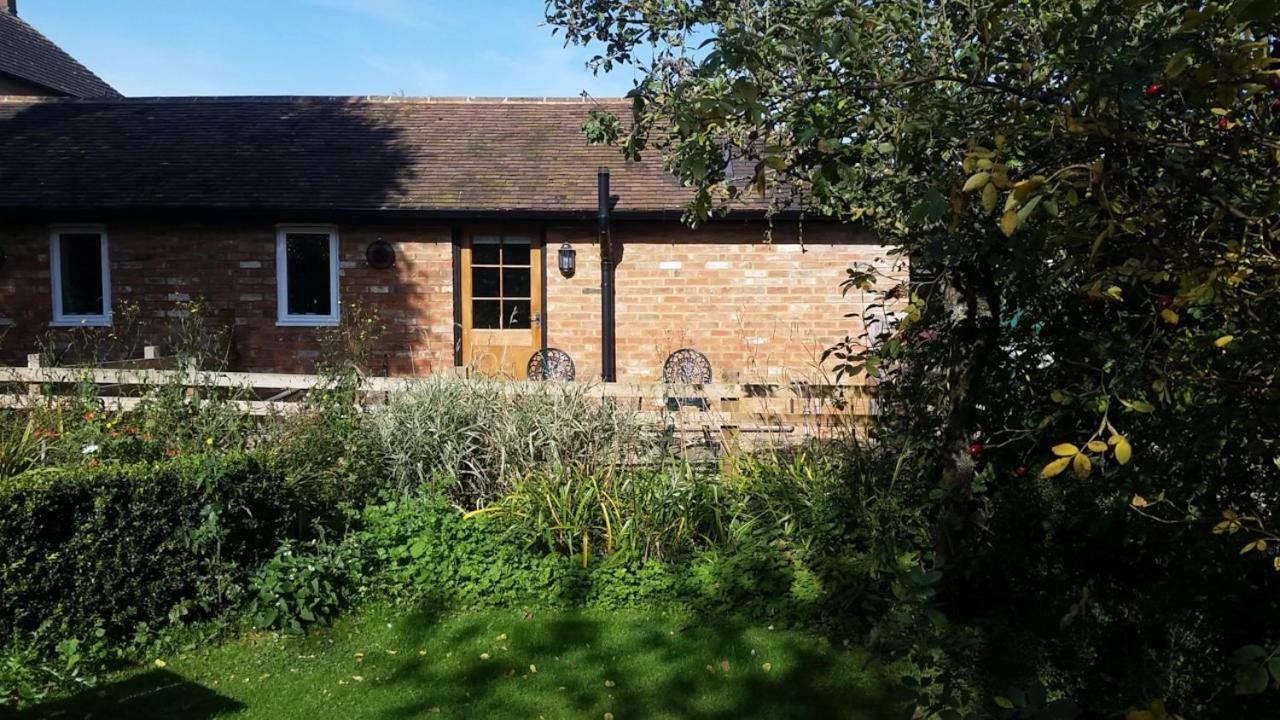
[
  {"x": 515, "y": 251},
  {"x": 486, "y": 314},
  {"x": 307, "y": 274},
  {"x": 515, "y": 282},
  {"x": 80, "y": 262},
  {"x": 484, "y": 250},
  {"x": 484, "y": 282},
  {"x": 515, "y": 314}
]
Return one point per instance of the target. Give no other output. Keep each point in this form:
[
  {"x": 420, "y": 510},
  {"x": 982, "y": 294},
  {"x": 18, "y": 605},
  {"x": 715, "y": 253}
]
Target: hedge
[{"x": 116, "y": 545}]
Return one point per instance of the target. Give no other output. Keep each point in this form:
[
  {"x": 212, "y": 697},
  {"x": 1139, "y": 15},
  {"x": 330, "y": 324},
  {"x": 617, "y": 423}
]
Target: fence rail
[{"x": 793, "y": 409}]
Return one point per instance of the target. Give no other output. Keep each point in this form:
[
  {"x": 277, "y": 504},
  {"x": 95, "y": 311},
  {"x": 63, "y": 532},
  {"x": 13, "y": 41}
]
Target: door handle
[{"x": 537, "y": 319}]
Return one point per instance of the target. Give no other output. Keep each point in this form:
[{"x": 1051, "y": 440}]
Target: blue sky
[{"x": 320, "y": 47}]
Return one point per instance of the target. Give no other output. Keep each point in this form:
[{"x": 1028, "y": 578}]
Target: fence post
[{"x": 33, "y": 361}]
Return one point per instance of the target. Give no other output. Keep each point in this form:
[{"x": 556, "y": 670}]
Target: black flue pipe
[{"x": 608, "y": 363}]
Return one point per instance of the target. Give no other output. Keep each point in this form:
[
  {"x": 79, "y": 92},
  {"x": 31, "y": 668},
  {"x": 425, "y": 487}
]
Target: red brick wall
[
  {"x": 232, "y": 266},
  {"x": 757, "y": 309}
]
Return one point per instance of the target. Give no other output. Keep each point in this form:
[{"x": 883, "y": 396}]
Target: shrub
[
  {"x": 637, "y": 512},
  {"x": 469, "y": 439},
  {"x": 118, "y": 545},
  {"x": 304, "y": 584}
]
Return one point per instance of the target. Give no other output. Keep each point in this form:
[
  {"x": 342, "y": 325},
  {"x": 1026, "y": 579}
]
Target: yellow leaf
[
  {"x": 1123, "y": 451},
  {"x": 1004, "y": 702},
  {"x": 1055, "y": 468},
  {"x": 1082, "y": 465},
  {"x": 1252, "y": 546},
  {"x": 985, "y": 164},
  {"x": 160, "y": 663},
  {"x": 1025, "y": 187},
  {"x": 989, "y": 197},
  {"x": 1009, "y": 223},
  {"x": 1276, "y": 562},
  {"x": 1139, "y": 501},
  {"x": 1219, "y": 111},
  {"x": 1065, "y": 450},
  {"x": 1097, "y": 446},
  {"x": 977, "y": 181},
  {"x": 1140, "y": 715},
  {"x": 1169, "y": 316},
  {"x": 1224, "y": 340}
]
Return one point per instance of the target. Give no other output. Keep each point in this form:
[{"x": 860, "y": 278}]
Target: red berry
[
  {"x": 1153, "y": 89},
  {"x": 1021, "y": 471},
  {"x": 975, "y": 449},
  {"x": 1275, "y": 104},
  {"x": 1224, "y": 123},
  {"x": 1164, "y": 302}
]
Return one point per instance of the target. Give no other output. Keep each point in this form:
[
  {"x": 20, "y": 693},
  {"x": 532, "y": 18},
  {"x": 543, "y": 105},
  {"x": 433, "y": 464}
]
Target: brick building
[{"x": 447, "y": 218}]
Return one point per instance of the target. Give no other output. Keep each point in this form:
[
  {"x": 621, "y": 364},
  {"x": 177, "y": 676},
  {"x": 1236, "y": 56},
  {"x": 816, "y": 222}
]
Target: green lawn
[{"x": 390, "y": 665}]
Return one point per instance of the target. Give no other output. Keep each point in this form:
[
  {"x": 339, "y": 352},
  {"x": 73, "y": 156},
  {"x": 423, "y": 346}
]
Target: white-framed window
[
  {"x": 80, "y": 275},
  {"x": 307, "y": 275}
]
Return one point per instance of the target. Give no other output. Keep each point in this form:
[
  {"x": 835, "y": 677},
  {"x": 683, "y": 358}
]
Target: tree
[{"x": 1088, "y": 196}]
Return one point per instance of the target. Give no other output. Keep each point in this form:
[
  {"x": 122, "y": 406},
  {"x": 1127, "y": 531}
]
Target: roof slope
[
  {"x": 451, "y": 155},
  {"x": 30, "y": 56}
]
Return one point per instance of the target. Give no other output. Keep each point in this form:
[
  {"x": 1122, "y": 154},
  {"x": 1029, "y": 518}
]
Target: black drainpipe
[{"x": 609, "y": 368}]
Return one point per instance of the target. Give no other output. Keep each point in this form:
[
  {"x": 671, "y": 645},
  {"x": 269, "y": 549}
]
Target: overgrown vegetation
[
  {"x": 1079, "y": 374},
  {"x": 184, "y": 519}
]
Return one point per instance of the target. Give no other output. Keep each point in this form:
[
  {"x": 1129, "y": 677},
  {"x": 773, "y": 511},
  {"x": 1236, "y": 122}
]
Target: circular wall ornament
[{"x": 380, "y": 255}]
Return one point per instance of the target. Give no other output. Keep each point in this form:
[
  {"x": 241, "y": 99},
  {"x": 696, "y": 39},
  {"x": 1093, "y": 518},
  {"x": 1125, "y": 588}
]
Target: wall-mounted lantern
[{"x": 568, "y": 258}]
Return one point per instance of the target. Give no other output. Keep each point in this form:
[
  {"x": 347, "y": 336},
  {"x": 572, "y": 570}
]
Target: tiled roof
[
  {"x": 31, "y": 57},
  {"x": 450, "y": 155}
]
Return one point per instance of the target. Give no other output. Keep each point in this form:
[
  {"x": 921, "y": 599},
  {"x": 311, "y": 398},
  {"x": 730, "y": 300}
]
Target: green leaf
[
  {"x": 1250, "y": 653},
  {"x": 1178, "y": 63},
  {"x": 1141, "y": 406},
  {"x": 1251, "y": 679}
]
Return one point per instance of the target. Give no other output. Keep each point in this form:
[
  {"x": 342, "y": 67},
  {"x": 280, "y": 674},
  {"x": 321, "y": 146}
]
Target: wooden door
[{"x": 501, "y": 302}]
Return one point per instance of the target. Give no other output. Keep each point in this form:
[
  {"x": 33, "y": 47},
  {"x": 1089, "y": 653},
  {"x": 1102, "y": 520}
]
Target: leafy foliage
[
  {"x": 303, "y": 585},
  {"x": 468, "y": 439},
  {"x": 1080, "y": 371}
]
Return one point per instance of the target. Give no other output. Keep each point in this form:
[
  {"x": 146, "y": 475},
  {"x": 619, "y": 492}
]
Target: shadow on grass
[
  {"x": 500, "y": 664},
  {"x": 153, "y": 694},
  {"x": 708, "y": 669}
]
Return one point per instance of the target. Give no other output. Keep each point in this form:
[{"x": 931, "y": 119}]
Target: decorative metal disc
[
  {"x": 688, "y": 366},
  {"x": 380, "y": 255},
  {"x": 551, "y": 364}
]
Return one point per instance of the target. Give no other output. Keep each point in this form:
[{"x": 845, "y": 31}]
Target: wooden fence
[{"x": 781, "y": 411}]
